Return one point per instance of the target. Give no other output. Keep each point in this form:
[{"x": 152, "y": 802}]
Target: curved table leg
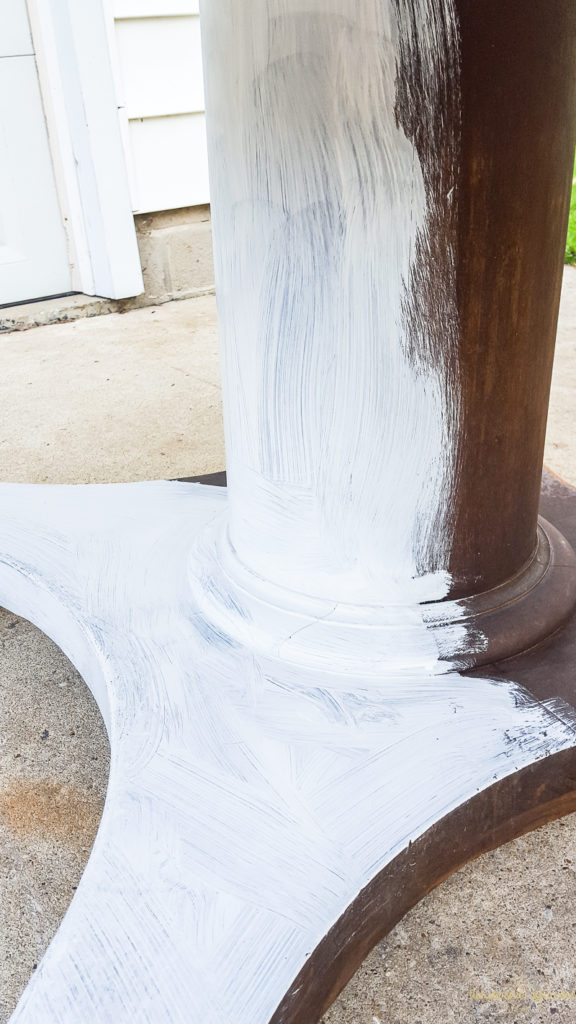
[{"x": 264, "y": 825}]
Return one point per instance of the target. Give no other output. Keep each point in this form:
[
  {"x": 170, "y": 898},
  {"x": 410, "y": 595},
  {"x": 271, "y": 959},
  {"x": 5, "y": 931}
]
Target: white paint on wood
[
  {"x": 318, "y": 202},
  {"x": 280, "y": 721},
  {"x": 249, "y": 801}
]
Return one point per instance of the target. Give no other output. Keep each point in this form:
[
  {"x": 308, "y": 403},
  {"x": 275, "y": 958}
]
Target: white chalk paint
[
  {"x": 341, "y": 417},
  {"x": 340, "y": 443},
  {"x": 249, "y": 799},
  {"x": 280, "y": 723}
]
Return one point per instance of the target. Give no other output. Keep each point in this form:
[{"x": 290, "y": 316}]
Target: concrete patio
[{"x": 136, "y": 396}]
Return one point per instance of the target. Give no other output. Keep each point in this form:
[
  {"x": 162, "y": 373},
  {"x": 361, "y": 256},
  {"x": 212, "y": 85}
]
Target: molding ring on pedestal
[
  {"x": 524, "y": 611},
  {"x": 509, "y": 619}
]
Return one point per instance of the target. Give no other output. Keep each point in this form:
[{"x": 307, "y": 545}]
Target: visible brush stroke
[
  {"x": 250, "y": 799},
  {"x": 338, "y": 320},
  {"x": 428, "y": 107},
  {"x": 280, "y": 722}
]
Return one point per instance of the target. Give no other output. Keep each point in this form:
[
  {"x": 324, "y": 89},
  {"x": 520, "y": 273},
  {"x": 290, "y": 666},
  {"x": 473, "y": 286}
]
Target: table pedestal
[{"x": 307, "y": 724}]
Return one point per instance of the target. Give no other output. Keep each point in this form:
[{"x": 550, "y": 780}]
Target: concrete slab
[
  {"x": 53, "y": 775},
  {"x": 136, "y": 396},
  {"x": 118, "y": 397},
  {"x": 176, "y": 255}
]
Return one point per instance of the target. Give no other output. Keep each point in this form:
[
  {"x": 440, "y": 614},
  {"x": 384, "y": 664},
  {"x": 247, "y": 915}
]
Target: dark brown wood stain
[{"x": 518, "y": 87}]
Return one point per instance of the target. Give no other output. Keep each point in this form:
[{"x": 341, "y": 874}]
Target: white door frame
[{"x": 71, "y": 42}]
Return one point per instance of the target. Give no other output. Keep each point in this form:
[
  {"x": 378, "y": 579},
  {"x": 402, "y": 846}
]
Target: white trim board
[{"x": 76, "y": 76}]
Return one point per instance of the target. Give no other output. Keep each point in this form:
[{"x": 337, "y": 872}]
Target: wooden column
[
  {"x": 518, "y": 115},
  {"x": 390, "y": 187}
]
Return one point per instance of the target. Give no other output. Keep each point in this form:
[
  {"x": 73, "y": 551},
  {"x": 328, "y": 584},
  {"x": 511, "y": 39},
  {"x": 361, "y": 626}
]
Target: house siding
[{"x": 161, "y": 100}]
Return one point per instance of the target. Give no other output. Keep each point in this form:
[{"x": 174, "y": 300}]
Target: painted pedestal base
[{"x": 265, "y": 822}]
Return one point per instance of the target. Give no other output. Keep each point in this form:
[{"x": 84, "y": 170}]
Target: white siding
[
  {"x": 161, "y": 98},
  {"x": 15, "y": 38},
  {"x": 154, "y": 8}
]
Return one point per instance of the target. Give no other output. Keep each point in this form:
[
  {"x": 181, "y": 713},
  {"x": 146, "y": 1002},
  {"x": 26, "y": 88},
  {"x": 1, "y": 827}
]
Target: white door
[{"x": 34, "y": 258}]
